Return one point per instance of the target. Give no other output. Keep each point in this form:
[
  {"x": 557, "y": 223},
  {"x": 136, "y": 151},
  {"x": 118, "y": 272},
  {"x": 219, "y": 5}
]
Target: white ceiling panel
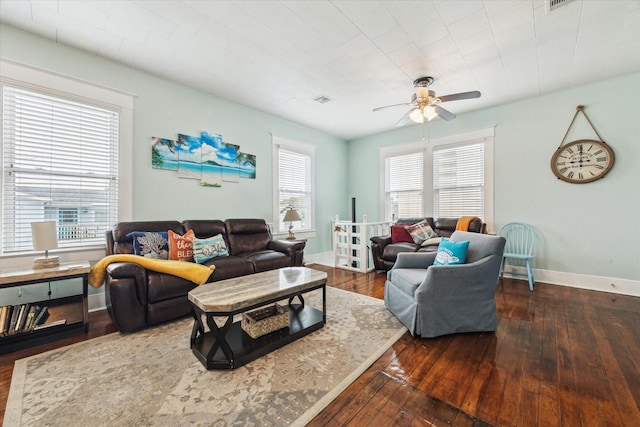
[{"x": 361, "y": 54}]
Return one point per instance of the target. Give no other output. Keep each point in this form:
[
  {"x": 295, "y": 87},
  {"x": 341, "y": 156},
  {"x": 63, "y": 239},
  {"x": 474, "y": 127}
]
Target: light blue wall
[
  {"x": 586, "y": 229},
  {"x": 164, "y": 109},
  {"x": 589, "y": 229}
]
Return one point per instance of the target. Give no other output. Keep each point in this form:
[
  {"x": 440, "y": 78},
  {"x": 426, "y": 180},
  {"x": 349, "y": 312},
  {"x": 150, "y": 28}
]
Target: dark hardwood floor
[{"x": 560, "y": 357}]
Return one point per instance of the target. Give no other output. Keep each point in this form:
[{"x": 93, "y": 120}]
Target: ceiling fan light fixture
[
  {"x": 417, "y": 115},
  {"x": 429, "y": 112}
]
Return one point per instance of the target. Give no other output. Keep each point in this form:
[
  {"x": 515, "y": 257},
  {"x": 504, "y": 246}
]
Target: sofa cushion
[
  {"x": 400, "y": 234},
  {"x": 162, "y": 286},
  {"x": 247, "y": 235},
  {"x": 266, "y": 260},
  {"x": 228, "y": 267},
  {"x": 450, "y": 253},
  {"x": 153, "y": 244},
  {"x": 206, "y": 249},
  {"x": 204, "y": 228},
  {"x": 181, "y": 246},
  {"x": 391, "y": 251},
  {"x": 120, "y": 240}
]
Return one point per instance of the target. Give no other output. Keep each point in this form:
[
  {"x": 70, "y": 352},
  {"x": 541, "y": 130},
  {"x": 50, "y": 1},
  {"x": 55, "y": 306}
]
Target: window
[
  {"x": 293, "y": 184},
  {"x": 403, "y": 189},
  {"x": 60, "y": 162},
  {"x": 445, "y": 177},
  {"x": 59, "y": 158},
  {"x": 458, "y": 180}
]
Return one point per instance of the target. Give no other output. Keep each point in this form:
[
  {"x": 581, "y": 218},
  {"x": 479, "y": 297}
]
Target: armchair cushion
[{"x": 407, "y": 279}]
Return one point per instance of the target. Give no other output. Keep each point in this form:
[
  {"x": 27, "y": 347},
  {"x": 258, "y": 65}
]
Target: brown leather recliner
[
  {"x": 137, "y": 298},
  {"x": 384, "y": 252}
]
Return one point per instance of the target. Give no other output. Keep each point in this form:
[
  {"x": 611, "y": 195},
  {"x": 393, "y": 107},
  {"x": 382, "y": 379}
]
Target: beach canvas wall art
[
  {"x": 164, "y": 154},
  {"x": 207, "y": 158},
  {"x": 189, "y": 157}
]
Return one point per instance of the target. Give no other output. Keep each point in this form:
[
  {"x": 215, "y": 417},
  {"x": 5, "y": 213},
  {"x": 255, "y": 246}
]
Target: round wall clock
[{"x": 582, "y": 161}]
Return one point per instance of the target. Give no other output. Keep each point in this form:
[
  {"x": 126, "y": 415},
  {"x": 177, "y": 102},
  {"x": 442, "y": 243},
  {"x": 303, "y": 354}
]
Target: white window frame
[
  {"x": 485, "y": 135},
  {"x": 56, "y": 85},
  {"x": 301, "y": 148}
]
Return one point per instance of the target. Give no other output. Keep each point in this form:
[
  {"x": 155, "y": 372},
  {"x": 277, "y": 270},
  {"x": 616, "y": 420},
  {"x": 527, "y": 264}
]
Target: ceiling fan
[{"x": 424, "y": 103}]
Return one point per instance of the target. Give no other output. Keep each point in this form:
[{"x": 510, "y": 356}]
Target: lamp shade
[
  {"x": 291, "y": 215},
  {"x": 44, "y": 235}
]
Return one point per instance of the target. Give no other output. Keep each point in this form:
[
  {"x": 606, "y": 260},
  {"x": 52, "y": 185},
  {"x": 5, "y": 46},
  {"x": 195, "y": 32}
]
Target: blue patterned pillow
[
  {"x": 206, "y": 249},
  {"x": 450, "y": 253},
  {"x": 150, "y": 244}
]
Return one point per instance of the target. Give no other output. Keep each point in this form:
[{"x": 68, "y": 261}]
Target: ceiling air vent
[
  {"x": 551, "y": 5},
  {"x": 322, "y": 99}
]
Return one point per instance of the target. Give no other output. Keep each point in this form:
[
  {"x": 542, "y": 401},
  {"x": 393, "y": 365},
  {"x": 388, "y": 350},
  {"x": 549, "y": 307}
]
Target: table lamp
[
  {"x": 45, "y": 237},
  {"x": 290, "y": 216}
]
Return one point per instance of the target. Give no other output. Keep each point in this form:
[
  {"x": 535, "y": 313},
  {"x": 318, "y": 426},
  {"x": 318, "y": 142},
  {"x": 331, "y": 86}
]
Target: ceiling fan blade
[
  {"x": 405, "y": 119},
  {"x": 444, "y": 114},
  {"x": 405, "y": 104},
  {"x": 459, "y": 96}
]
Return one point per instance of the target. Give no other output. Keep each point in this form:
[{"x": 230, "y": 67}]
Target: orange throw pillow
[{"x": 181, "y": 247}]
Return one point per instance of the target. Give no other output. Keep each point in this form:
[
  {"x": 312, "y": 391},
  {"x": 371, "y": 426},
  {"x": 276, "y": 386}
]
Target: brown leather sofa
[
  {"x": 384, "y": 252},
  {"x": 137, "y": 298}
]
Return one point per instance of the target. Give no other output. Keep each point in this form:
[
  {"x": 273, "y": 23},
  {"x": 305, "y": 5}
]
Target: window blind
[
  {"x": 458, "y": 181},
  {"x": 294, "y": 188},
  {"x": 60, "y": 162},
  {"x": 404, "y": 192}
]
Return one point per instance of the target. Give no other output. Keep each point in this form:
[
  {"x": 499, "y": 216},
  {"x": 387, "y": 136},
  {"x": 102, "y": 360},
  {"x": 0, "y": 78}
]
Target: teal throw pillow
[
  {"x": 450, "y": 253},
  {"x": 206, "y": 249}
]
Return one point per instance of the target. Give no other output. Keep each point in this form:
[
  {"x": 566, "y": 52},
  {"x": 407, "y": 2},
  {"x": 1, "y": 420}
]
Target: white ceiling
[{"x": 277, "y": 56}]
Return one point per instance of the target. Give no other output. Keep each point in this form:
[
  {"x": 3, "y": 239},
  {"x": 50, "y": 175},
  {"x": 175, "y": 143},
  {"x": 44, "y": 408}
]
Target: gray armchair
[{"x": 433, "y": 300}]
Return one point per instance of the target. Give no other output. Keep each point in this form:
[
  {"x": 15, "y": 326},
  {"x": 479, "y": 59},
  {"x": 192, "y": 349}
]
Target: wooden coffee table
[{"x": 228, "y": 346}]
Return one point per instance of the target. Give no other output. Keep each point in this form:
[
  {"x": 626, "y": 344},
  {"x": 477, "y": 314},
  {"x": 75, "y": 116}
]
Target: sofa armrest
[
  {"x": 381, "y": 240},
  {"x": 129, "y": 270},
  {"x": 293, "y": 248},
  {"x": 377, "y": 249},
  {"x": 126, "y": 295}
]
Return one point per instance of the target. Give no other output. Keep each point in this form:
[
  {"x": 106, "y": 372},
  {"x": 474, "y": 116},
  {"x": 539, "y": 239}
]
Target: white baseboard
[
  {"x": 324, "y": 258},
  {"x": 582, "y": 281},
  {"x": 97, "y": 302}
]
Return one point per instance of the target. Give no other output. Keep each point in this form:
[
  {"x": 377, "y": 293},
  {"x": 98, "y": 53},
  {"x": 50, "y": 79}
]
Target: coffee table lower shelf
[{"x": 302, "y": 321}]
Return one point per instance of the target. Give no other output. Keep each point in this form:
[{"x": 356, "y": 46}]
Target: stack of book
[{"x": 22, "y": 318}]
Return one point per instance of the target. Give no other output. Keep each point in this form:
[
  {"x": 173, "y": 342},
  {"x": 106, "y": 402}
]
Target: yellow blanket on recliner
[
  {"x": 463, "y": 223},
  {"x": 191, "y": 271}
]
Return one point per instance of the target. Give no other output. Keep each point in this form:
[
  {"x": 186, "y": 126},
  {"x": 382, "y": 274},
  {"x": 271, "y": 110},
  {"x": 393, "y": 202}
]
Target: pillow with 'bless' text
[{"x": 181, "y": 247}]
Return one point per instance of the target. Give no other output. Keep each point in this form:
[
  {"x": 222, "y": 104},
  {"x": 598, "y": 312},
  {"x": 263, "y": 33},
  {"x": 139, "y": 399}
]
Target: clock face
[{"x": 582, "y": 161}]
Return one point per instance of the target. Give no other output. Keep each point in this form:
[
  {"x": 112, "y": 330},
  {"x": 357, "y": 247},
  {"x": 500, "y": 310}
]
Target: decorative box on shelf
[{"x": 265, "y": 320}]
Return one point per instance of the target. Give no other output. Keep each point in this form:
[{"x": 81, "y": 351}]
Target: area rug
[{"x": 152, "y": 378}]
